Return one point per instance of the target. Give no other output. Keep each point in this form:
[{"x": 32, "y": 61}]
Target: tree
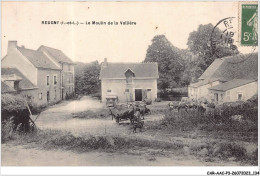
[
  {"x": 170, "y": 63},
  {"x": 199, "y": 44},
  {"x": 87, "y": 78}
]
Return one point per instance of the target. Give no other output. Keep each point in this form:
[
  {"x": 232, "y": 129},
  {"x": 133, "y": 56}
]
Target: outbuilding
[{"x": 129, "y": 81}]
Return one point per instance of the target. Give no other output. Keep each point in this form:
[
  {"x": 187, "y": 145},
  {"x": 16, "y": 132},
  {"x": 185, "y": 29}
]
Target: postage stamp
[{"x": 249, "y": 24}]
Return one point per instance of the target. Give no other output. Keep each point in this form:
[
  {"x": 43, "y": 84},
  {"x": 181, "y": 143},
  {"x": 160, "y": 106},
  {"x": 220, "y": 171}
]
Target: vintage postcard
[{"x": 130, "y": 84}]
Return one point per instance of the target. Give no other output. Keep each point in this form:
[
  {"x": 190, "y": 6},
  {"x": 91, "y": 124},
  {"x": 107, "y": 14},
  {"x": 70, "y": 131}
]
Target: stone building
[{"x": 33, "y": 74}]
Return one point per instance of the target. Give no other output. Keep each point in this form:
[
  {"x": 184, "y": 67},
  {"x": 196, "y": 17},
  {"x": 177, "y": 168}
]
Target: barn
[
  {"x": 228, "y": 79},
  {"x": 129, "y": 81}
]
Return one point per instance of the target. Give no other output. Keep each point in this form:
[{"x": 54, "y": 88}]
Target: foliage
[
  {"x": 174, "y": 94},
  {"x": 87, "y": 78},
  {"x": 11, "y": 103},
  {"x": 170, "y": 63},
  {"x": 15, "y": 115},
  {"x": 199, "y": 44}
]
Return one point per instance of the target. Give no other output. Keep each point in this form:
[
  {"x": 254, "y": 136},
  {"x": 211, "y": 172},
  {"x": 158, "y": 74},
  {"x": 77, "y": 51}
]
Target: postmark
[{"x": 223, "y": 37}]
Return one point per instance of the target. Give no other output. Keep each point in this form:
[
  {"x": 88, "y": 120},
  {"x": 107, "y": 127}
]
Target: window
[
  {"x": 109, "y": 90},
  {"x": 55, "y": 96},
  {"x": 55, "y": 80},
  {"x": 40, "y": 96},
  {"x": 149, "y": 90},
  {"x": 239, "y": 96},
  {"x": 48, "y": 80},
  {"x": 127, "y": 90},
  {"x": 129, "y": 79}
]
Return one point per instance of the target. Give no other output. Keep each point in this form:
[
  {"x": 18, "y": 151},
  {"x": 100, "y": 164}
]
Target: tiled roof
[
  {"x": 24, "y": 83},
  {"x": 57, "y": 54},
  {"x": 38, "y": 59},
  {"x": 232, "y": 84},
  {"x": 6, "y": 88},
  {"x": 141, "y": 70}
]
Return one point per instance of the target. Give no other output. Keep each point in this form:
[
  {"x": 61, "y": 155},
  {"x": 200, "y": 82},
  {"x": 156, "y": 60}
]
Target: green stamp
[{"x": 249, "y": 25}]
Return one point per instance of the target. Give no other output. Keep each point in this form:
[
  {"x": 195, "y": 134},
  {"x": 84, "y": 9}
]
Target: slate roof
[
  {"x": 232, "y": 84},
  {"x": 38, "y": 59},
  {"x": 57, "y": 54},
  {"x": 24, "y": 84},
  {"x": 141, "y": 70},
  {"x": 6, "y": 88}
]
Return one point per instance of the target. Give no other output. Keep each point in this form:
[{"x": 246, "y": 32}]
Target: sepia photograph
[{"x": 130, "y": 84}]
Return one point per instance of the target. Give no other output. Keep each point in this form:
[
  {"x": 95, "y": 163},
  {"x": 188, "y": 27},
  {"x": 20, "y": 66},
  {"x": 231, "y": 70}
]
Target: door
[
  {"x": 48, "y": 96},
  {"x": 216, "y": 97},
  {"x": 62, "y": 92},
  {"x": 138, "y": 94}
]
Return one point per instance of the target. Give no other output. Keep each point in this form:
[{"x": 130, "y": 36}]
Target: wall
[
  {"x": 247, "y": 90},
  {"x": 67, "y": 72},
  {"x": 201, "y": 91},
  {"x": 68, "y": 80},
  {"x": 15, "y": 59},
  {"x": 118, "y": 87},
  {"x": 231, "y": 95},
  {"x": 43, "y": 88}
]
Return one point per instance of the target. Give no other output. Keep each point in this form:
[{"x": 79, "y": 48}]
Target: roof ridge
[
  {"x": 18, "y": 47},
  {"x": 50, "y": 48}
]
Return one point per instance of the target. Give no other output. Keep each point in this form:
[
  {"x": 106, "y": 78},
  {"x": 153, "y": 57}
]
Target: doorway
[
  {"x": 138, "y": 94},
  {"x": 62, "y": 94},
  {"x": 48, "y": 96},
  {"x": 216, "y": 97}
]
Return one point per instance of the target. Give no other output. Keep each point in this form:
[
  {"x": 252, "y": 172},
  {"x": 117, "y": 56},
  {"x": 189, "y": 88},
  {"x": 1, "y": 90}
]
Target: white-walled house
[
  {"x": 228, "y": 79},
  {"x": 201, "y": 88},
  {"x": 129, "y": 81},
  {"x": 67, "y": 69},
  {"x": 234, "y": 90},
  {"x": 33, "y": 74}
]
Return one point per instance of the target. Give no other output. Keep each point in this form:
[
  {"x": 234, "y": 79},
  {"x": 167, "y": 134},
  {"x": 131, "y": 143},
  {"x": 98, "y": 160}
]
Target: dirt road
[{"x": 60, "y": 117}]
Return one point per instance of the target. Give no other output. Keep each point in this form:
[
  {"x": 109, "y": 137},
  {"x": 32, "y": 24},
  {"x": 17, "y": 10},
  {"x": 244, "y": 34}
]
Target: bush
[
  {"x": 12, "y": 103},
  {"x": 173, "y": 94},
  {"x": 14, "y": 110},
  {"x": 148, "y": 101},
  {"x": 158, "y": 100}
]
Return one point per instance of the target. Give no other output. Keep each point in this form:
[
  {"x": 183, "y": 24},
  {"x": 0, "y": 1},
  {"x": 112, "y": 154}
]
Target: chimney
[
  {"x": 11, "y": 45},
  {"x": 104, "y": 64}
]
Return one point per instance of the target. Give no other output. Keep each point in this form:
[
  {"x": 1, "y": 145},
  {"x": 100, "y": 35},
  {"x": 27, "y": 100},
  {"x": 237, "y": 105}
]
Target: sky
[{"x": 22, "y": 21}]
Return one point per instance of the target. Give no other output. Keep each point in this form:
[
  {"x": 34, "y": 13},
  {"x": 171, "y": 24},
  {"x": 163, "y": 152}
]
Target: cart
[{"x": 111, "y": 100}]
